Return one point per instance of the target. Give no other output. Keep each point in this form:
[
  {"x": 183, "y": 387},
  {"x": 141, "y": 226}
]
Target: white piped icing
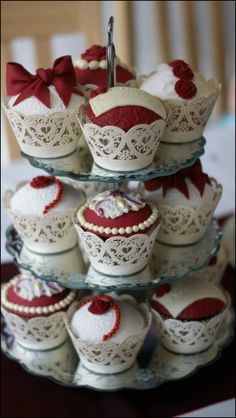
[
  {"x": 162, "y": 84},
  {"x": 125, "y": 96},
  {"x": 186, "y": 292},
  {"x": 33, "y": 310},
  {"x": 110, "y": 204},
  {"x": 33, "y": 106},
  {"x": 29, "y": 288},
  {"x": 31, "y": 201},
  {"x": 90, "y": 327}
]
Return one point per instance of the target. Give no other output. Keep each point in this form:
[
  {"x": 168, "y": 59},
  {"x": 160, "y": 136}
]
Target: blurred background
[{"x": 34, "y": 33}]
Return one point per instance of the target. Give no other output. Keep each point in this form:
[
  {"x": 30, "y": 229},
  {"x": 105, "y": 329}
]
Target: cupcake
[
  {"x": 187, "y": 96},
  {"x": 34, "y": 311},
  {"x": 186, "y": 201},
  {"x": 108, "y": 331},
  {"x": 117, "y": 230},
  {"x": 122, "y": 127},
  {"x": 91, "y": 69},
  {"x": 188, "y": 314},
  {"x": 42, "y": 108},
  {"x": 41, "y": 212}
]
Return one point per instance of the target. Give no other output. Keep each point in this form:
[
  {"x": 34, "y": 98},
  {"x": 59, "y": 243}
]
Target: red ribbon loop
[{"x": 62, "y": 76}]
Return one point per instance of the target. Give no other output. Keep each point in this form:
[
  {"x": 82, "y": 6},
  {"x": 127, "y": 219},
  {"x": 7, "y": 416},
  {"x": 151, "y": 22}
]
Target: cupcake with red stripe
[
  {"x": 91, "y": 69},
  {"x": 187, "y": 96},
  {"x": 122, "y": 127},
  {"x": 189, "y": 314},
  {"x": 34, "y": 310},
  {"x": 101, "y": 324},
  {"x": 42, "y": 211},
  {"x": 186, "y": 201},
  {"x": 117, "y": 230}
]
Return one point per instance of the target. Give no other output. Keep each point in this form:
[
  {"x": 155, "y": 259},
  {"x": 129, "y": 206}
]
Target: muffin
[
  {"x": 34, "y": 311},
  {"x": 188, "y": 314},
  {"x": 91, "y": 69},
  {"x": 187, "y": 96},
  {"x": 186, "y": 201},
  {"x": 122, "y": 127},
  {"x": 108, "y": 331},
  {"x": 42, "y": 108},
  {"x": 117, "y": 230},
  {"x": 41, "y": 212}
]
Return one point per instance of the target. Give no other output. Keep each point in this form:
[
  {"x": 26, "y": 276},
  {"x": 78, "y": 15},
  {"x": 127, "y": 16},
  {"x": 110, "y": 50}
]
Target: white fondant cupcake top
[
  {"x": 32, "y": 106},
  {"x": 162, "y": 84},
  {"x": 32, "y": 201},
  {"x": 187, "y": 291},
  {"x": 92, "y": 327}
]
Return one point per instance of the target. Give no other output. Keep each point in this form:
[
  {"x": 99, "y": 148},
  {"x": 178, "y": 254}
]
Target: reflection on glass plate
[
  {"x": 155, "y": 365},
  {"x": 71, "y": 269},
  {"x": 79, "y": 165}
]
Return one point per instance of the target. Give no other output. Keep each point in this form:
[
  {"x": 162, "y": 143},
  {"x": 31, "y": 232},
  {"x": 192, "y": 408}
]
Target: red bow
[
  {"x": 177, "y": 180},
  {"x": 62, "y": 76}
]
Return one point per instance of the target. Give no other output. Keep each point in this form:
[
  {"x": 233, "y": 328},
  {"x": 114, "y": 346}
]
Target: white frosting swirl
[
  {"x": 162, "y": 84},
  {"x": 29, "y": 288},
  {"x": 114, "y": 204}
]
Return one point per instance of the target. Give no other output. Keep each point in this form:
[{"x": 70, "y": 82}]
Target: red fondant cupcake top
[
  {"x": 189, "y": 300},
  {"x": 30, "y": 297},
  {"x": 123, "y": 107},
  {"x": 115, "y": 213},
  {"x": 91, "y": 68}
]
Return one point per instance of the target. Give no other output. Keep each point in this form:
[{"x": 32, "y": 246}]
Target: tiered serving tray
[
  {"x": 79, "y": 165},
  {"x": 155, "y": 365},
  {"x": 167, "y": 265}
]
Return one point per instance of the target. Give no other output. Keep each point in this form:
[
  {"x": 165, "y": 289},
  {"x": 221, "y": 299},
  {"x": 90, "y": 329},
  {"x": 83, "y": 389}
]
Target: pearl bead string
[
  {"x": 83, "y": 64},
  {"x": 37, "y": 310},
  {"x": 117, "y": 231}
]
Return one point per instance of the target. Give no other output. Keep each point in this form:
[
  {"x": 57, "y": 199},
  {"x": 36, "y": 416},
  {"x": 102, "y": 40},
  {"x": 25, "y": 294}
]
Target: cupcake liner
[
  {"x": 118, "y": 255},
  {"x": 114, "y": 149},
  {"x": 39, "y": 333},
  {"x": 108, "y": 357},
  {"x": 49, "y": 233},
  {"x": 182, "y": 224},
  {"x": 186, "y": 120},
  {"x": 188, "y": 337},
  {"x": 50, "y": 136}
]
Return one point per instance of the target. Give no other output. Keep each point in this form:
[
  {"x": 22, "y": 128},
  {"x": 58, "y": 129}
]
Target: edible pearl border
[
  {"x": 94, "y": 64},
  {"x": 115, "y": 231},
  {"x": 35, "y": 310}
]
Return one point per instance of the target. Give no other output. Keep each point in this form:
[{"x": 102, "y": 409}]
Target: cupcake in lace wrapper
[
  {"x": 188, "y": 98},
  {"x": 34, "y": 311},
  {"x": 108, "y": 331},
  {"x": 117, "y": 231},
  {"x": 91, "y": 69},
  {"x": 186, "y": 202},
  {"x": 42, "y": 211},
  {"x": 122, "y": 127},
  {"x": 189, "y": 314},
  {"x": 42, "y": 108}
]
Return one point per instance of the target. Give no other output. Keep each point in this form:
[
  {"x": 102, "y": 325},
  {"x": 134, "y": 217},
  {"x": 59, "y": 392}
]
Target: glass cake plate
[
  {"x": 70, "y": 268},
  {"x": 154, "y": 366},
  {"x": 79, "y": 165}
]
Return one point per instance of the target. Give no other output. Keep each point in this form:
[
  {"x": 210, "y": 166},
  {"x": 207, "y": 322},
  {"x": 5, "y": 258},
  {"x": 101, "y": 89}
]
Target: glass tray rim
[
  {"x": 220, "y": 346},
  {"x": 85, "y": 285},
  {"x": 124, "y": 176}
]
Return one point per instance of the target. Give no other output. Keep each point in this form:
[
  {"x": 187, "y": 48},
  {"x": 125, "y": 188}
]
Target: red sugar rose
[
  {"x": 181, "y": 69},
  {"x": 185, "y": 88},
  {"x": 95, "y": 52},
  {"x": 42, "y": 181},
  {"x": 99, "y": 306}
]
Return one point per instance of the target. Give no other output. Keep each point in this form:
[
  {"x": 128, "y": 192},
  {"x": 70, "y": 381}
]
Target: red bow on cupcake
[
  {"x": 62, "y": 76},
  {"x": 177, "y": 180}
]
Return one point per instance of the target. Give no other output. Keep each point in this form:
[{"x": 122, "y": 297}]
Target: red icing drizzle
[
  {"x": 177, "y": 180},
  {"x": 45, "y": 181},
  {"x": 100, "y": 305},
  {"x": 124, "y": 117}
]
